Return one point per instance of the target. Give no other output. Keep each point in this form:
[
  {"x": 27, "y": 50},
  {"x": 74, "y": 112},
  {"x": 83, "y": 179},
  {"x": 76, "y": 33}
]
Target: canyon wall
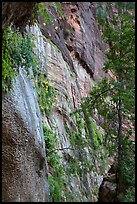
[{"x": 72, "y": 55}]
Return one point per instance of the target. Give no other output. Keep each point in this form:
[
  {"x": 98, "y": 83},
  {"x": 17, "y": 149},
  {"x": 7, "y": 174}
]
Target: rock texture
[
  {"x": 17, "y": 13},
  {"x": 24, "y": 167},
  {"x": 72, "y": 58},
  {"x": 107, "y": 190},
  {"x": 73, "y": 68},
  {"x": 78, "y": 36}
]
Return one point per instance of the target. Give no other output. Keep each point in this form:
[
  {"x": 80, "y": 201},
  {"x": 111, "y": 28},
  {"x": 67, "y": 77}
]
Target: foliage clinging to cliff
[{"x": 17, "y": 51}]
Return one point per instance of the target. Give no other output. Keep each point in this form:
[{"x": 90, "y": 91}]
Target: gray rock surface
[
  {"x": 24, "y": 166},
  {"x": 73, "y": 70}
]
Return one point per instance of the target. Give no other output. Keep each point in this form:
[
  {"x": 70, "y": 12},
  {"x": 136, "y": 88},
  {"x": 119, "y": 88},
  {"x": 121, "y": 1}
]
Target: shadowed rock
[{"x": 24, "y": 167}]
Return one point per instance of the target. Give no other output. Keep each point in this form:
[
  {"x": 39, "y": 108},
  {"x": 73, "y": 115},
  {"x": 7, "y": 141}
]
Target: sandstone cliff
[{"x": 72, "y": 55}]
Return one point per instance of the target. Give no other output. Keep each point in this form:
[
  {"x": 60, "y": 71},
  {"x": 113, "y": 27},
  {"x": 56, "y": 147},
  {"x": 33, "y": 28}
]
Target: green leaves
[
  {"x": 120, "y": 57},
  {"x": 55, "y": 190},
  {"x": 128, "y": 171},
  {"x": 97, "y": 136},
  {"x": 119, "y": 104},
  {"x": 57, "y": 178},
  {"x": 16, "y": 51},
  {"x": 101, "y": 14},
  {"x": 58, "y": 7},
  {"x": 46, "y": 94},
  {"x": 44, "y": 11}
]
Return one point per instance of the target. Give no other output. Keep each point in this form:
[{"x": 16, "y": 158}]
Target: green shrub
[
  {"x": 56, "y": 178},
  {"x": 16, "y": 51},
  {"x": 128, "y": 172},
  {"x": 55, "y": 189},
  {"x": 128, "y": 196},
  {"x": 46, "y": 94}
]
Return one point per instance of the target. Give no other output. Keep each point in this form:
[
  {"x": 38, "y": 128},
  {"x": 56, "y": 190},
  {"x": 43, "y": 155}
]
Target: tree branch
[{"x": 61, "y": 149}]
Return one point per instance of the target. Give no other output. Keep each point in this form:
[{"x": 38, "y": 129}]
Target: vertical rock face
[
  {"x": 72, "y": 63},
  {"x": 24, "y": 167},
  {"x": 77, "y": 36},
  {"x": 70, "y": 90}
]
